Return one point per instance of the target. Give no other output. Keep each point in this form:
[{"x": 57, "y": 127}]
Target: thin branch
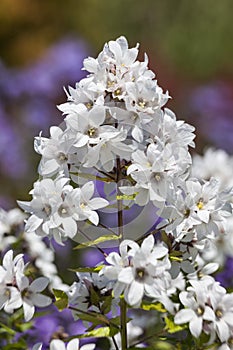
[{"x": 94, "y": 245}]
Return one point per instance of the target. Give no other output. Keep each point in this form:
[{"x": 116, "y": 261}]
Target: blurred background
[{"x": 43, "y": 44}]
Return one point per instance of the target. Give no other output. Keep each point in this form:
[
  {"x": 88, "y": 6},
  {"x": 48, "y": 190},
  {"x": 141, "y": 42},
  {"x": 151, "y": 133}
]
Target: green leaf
[
  {"x": 175, "y": 258},
  {"x": 171, "y": 327},
  {"x": 106, "y": 305},
  {"x": 20, "y": 345},
  {"x": 161, "y": 345},
  {"x": 97, "y": 241},
  {"x": 93, "y": 317},
  {"x": 101, "y": 332},
  {"x": 24, "y": 326},
  {"x": 5, "y": 329},
  {"x": 88, "y": 269},
  {"x": 126, "y": 196},
  {"x": 158, "y": 307},
  {"x": 61, "y": 299}
]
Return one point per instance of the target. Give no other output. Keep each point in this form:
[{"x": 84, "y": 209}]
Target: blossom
[
  {"x": 57, "y": 344},
  {"x": 136, "y": 274},
  {"x": 197, "y": 311},
  {"x": 16, "y": 291},
  {"x": 56, "y": 207}
]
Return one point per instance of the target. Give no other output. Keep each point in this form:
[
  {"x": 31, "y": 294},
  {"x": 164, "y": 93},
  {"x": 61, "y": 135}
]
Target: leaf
[
  {"x": 101, "y": 332},
  {"x": 158, "y": 307},
  {"x": 97, "y": 241},
  {"x": 106, "y": 305},
  {"x": 15, "y": 346},
  {"x": 24, "y": 326},
  {"x": 171, "y": 327},
  {"x": 88, "y": 269},
  {"x": 61, "y": 299},
  {"x": 126, "y": 196},
  {"x": 5, "y": 329},
  {"x": 93, "y": 317},
  {"x": 175, "y": 258}
]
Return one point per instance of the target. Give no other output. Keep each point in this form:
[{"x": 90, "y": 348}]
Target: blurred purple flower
[
  {"x": 54, "y": 322},
  {"x": 212, "y": 107},
  {"x": 226, "y": 276},
  {"x": 28, "y": 99},
  {"x": 12, "y": 160}
]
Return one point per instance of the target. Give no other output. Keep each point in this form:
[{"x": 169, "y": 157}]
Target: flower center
[
  {"x": 47, "y": 209},
  {"x": 219, "y": 313},
  {"x": 140, "y": 274},
  {"x": 200, "y": 311},
  {"x": 62, "y": 157},
  {"x": 142, "y": 103},
  {"x": 200, "y": 204},
  {"x": 92, "y": 132}
]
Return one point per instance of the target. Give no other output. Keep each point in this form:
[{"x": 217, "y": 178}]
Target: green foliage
[
  {"x": 61, "y": 299},
  {"x": 157, "y": 306},
  {"x": 88, "y": 269},
  {"x": 98, "y": 240},
  {"x": 171, "y": 327}
]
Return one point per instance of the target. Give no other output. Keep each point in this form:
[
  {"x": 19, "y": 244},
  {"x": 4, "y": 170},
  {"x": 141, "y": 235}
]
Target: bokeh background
[{"x": 43, "y": 43}]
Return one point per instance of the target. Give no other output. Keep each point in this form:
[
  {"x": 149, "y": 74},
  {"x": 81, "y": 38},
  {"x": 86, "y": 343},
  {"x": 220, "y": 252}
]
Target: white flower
[
  {"x": 31, "y": 296},
  {"x": 137, "y": 269},
  {"x": 57, "y": 344},
  {"x": 86, "y": 205},
  {"x": 56, "y": 207},
  {"x": 222, "y": 304},
  {"x": 214, "y": 163},
  {"x": 197, "y": 311},
  {"x": 57, "y": 152}
]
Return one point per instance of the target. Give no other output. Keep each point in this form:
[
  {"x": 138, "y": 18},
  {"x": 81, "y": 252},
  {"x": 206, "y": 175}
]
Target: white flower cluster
[
  {"x": 139, "y": 271},
  {"x": 115, "y": 112},
  {"x": 42, "y": 256},
  {"x": 16, "y": 290},
  {"x": 218, "y": 164},
  {"x": 115, "y": 122},
  {"x": 56, "y": 208},
  {"x": 208, "y": 309}
]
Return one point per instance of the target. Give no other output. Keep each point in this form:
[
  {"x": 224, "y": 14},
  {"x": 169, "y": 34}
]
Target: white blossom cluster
[
  {"x": 115, "y": 122},
  {"x": 12, "y": 232},
  {"x": 16, "y": 289},
  {"x": 218, "y": 164},
  {"x": 56, "y": 208},
  {"x": 209, "y": 309}
]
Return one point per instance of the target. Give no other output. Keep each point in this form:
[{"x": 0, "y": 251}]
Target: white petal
[
  {"x": 126, "y": 275},
  {"x": 73, "y": 344},
  {"x": 37, "y": 346},
  {"x": 57, "y": 344},
  {"x": 97, "y": 203},
  {"x": 28, "y": 310},
  {"x": 88, "y": 190},
  {"x": 88, "y": 347},
  {"x": 147, "y": 244},
  {"x": 195, "y": 326},
  {"x": 40, "y": 300},
  {"x": 93, "y": 217},
  {"x": 33, "y": 223},
  {"x": 184, "y": 316},
  {"x": 222, "y": 330},
  {"x": 39, "y": 284},
  {"x": 135, "y": 293},
  {"x": 70, "y": 227}
]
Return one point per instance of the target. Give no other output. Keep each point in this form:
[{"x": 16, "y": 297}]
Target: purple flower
[{"x": 212, "y": 106}]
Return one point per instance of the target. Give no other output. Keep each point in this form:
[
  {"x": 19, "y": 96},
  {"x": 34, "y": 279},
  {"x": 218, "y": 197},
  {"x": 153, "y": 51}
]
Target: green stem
[
  {"x": 123, "y": 305},
  {"x": 123, "y": 318}
]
